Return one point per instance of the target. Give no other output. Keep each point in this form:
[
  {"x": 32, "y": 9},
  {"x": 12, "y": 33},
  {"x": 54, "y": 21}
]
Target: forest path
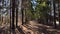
[
  {"x": 36, "y": 28},
  {"x": 31, "y": 28}
]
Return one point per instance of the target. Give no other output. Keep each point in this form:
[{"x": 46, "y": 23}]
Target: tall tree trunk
[
  {"x": 54, "y": 14},
  {"x": 59, "y": 10},
  {"x": 0, "y": 13},
  {"x": 13, "y": 11},
  {"x": 16, "y": 13},
  {"x": 22, "y": 12},
  {"x": 23, "y": 9}
]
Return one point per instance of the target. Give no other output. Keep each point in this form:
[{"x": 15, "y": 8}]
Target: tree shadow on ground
[
  {"x": 3, "y": 31},
  {"x": 13, "y": 31},
  {"x": 20, "y": 30}
]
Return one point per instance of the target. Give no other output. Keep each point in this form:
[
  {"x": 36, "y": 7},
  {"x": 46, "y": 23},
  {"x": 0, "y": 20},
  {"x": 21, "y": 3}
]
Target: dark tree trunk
[
  {"x": 13, "y": 11},
  {"x": 22, "y": 9},
  {"x": 16, "y": 17},
  {"x": 59, "y": 11},
  {"x": 0, "y": 14},
  {"x": 54, "y": 14},
  {"x": 16, "y": 13},
  {"x": 22, "y": 16}
]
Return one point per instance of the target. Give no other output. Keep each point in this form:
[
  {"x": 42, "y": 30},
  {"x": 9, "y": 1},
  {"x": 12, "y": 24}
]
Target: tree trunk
[
  {"x": 13, "y": 11},
  {"x": 59, "y": 11},
  {"x": 16, "y": 13},
  {"x": 54, "y": 14}
]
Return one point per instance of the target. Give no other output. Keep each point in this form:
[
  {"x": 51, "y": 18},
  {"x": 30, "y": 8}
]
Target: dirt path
[{"x": 31, "y": 28}]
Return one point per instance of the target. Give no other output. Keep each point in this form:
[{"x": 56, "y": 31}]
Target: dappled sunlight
[
  {"x": 57, "y": 22},
  {"x": 29, "y": 17}
]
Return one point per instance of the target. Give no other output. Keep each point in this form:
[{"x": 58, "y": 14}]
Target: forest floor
[
  {"x": 36, "y": 28},
  {"x": 32, "y": 27}
]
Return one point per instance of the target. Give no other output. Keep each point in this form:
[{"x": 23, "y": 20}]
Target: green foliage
[{"x": 40, "y": 11}]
